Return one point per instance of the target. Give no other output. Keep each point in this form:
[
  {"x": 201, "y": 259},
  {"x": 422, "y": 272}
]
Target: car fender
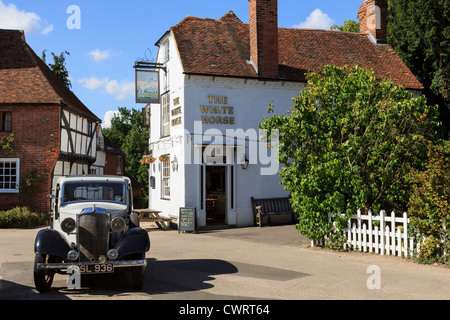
[
  {"x": 135, "y": 240},
  {"x": 50, "y": 242}
]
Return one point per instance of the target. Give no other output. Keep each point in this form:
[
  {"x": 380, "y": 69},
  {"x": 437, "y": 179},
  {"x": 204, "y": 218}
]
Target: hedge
[{"x": 22, "y": 217}]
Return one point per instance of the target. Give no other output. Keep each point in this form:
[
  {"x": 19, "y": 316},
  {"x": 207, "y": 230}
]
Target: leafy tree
[
  {"x": 348, "y": 143},
  {"x": 419, "y": 31},
  {"x": 349, "y": 26},
  {"x": 429, "y": 205},
  {"x": 59, "y": 67},
  {"x": 128, "y": 133}
]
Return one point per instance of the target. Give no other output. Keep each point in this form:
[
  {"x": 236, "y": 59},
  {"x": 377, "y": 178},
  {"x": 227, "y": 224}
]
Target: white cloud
[
  {"x": 98, "y": 55},
  {"x": 120, "y": 90},
  {"x": 13, "y": 18},
  {"x": 316, "y": 20},
  {"x": 109, "y": 115},
  {"x": 93, "y": 82}
]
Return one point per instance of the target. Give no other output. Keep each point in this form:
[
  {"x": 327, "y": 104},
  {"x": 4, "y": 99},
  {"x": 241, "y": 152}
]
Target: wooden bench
[
  {"x": 271, "y": 207},
  {"x": 153, "y": 216}
]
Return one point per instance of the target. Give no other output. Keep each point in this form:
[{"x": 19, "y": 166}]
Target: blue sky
[{"x": 113, "y": 34}]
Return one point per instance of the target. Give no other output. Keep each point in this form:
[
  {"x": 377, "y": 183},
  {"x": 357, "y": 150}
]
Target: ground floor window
[{"x": 9, "y": 175}]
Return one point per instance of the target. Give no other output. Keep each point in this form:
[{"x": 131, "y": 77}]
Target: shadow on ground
[{"x": 161, "y": 277}]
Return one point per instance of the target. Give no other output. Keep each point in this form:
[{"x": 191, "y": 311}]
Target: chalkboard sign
[{"x": 187, "y": 220}]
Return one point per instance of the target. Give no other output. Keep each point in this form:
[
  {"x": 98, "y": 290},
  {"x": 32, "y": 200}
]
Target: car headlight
[
  {"x": 68, "y": 225},
  {"x": 118, "y": 224},
  {"x": 112, "y": 254},
  {"x": 72, "y": 255}
]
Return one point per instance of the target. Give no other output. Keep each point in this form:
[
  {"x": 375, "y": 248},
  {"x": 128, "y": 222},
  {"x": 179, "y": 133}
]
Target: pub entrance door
[{"x": 216, "y": 194}]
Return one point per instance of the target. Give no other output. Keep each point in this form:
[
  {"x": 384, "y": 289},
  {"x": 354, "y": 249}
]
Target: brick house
[
  {"x": 54, "y": 133},
  {"x": 115, "y": 159}
]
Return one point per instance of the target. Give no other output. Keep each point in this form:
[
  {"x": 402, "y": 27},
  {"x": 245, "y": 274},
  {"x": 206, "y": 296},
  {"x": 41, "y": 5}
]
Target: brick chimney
[
  {"x": 264, "y": 37},
  {"x": 373, "y": 19}
]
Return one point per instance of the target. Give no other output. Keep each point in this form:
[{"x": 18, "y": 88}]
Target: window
[
  {"x": 9, "y": 175},
  {"x": 166, "y": 51},
  {"x": 165, "y": 179},
  {"x": 119, "y": 165},
  {"x": 101, "y": 191},
  {"x": 165, "y": 116},
  {"x": 6, "y": 119}
]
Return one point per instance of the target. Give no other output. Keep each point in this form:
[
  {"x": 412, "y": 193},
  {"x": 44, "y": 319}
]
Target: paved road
[{"x": 239, "y": 263}]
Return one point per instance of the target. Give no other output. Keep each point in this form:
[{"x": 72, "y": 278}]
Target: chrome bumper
[{"x": 117, "y": 264}]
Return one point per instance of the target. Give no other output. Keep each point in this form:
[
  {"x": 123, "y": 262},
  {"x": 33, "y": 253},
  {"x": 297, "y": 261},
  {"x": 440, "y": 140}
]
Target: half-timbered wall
[
  {"x": 78, "y": 145},
  {"x": 78, "y": 136}
]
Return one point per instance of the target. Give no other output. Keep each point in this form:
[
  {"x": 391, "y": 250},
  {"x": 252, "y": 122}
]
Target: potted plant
[
  {"x": 164, "y": 158},
  {"x": 146, "y": 159}
]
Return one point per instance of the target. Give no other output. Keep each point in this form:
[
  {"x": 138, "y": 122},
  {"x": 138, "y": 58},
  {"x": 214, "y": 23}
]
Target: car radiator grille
[{"x": 93, "y": 235}]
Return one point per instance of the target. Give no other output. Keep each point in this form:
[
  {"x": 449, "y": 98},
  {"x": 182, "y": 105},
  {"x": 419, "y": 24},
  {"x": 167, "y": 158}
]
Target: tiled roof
[
  {"x": 222, "y": 48},
  {"x": 25, "y": 78}
]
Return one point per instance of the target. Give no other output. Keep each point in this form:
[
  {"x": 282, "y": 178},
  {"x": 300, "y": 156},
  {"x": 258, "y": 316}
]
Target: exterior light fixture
[
  {"x": 244, "y": 164},
  {"x": 175, "y": 163}
]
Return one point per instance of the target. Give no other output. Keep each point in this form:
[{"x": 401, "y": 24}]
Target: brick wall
[
  {"x": 112, "y": 163},
  {"x": 373, "y": 18},
  {"x": 264, "y": 37},
  {"x": 36, "y": 132}
]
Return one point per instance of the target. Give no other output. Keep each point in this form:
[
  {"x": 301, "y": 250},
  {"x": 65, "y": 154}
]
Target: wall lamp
[
  {"x": 244, "y": 164},
  {"x": 175, "y": 163}
]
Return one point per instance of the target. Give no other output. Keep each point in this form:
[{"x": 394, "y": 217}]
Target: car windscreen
[{"x": 97, "y": 191}]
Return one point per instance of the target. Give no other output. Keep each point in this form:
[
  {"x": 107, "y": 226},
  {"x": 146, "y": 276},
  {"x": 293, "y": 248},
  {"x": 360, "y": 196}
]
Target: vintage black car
[{"x": 94, "y": 231}]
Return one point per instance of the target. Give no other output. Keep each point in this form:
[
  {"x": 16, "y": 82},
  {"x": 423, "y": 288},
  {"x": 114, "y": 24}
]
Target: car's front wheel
[
  {"x": 138, "y": 274},
  {"x": 43, "y": 279}
]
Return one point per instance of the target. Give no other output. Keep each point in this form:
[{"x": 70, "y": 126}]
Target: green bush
[
  {"x": 22, "y": 217},
  {"x": 429, "y": 205},
  {"x": 347, "y": 143}
]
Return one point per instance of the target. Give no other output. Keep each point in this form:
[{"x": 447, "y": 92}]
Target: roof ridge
[
  {"x": 61, "y": 90},
  {"x": 230, "y": 16},
  {"x": 322, "y": 30}
]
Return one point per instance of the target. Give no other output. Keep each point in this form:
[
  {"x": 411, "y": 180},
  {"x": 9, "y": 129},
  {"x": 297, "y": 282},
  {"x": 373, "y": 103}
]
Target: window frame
[
  {"x": 17, "y": 175},
  {"x": 165, "y": 116},
  {"x": 5, "y": 122},
  {"x": 119, "y": 161},
  {"x": 165, "y": 179}
]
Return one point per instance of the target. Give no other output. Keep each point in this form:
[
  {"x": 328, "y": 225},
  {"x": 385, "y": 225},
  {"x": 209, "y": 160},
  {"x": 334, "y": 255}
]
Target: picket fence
[{"x": 383, "y": 234}]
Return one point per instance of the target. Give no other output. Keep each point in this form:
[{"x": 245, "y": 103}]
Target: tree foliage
[
  {"x": 348, "y": 143},
  {"x": 419, "y": 31},
  {"x": 128, "y": 133},
  {"x": 348, "y": 26},
  {"x": 59, "y": 67},
  {"x": 429, "y": 205}
]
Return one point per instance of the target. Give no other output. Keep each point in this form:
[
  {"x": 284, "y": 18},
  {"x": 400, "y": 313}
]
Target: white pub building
[{"x": 217, "y": 78}]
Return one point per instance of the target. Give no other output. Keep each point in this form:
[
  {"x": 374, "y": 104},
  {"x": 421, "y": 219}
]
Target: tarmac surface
[{"x": 274, "y": 263}]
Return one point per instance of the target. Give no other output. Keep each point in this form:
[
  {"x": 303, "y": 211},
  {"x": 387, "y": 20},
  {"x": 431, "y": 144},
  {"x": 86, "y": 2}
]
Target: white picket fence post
[{"x": 383, "y": 234}]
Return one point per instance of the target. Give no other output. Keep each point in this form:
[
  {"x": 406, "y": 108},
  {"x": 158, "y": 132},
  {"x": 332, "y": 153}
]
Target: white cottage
[{"x": 219, "y": 77}]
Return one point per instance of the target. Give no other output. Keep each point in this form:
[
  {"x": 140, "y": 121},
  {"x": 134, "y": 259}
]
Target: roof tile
[
  {"x": 25, "y": 78},
  {"x": 222, "y": 48}
]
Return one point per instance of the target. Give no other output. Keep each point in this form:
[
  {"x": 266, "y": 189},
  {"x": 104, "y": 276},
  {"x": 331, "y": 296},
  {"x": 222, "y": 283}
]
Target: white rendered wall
[{"x": 249, "y": 102}]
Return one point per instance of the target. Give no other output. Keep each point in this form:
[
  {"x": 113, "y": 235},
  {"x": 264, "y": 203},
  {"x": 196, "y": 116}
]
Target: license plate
[{"x": 97, "y": 268}]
